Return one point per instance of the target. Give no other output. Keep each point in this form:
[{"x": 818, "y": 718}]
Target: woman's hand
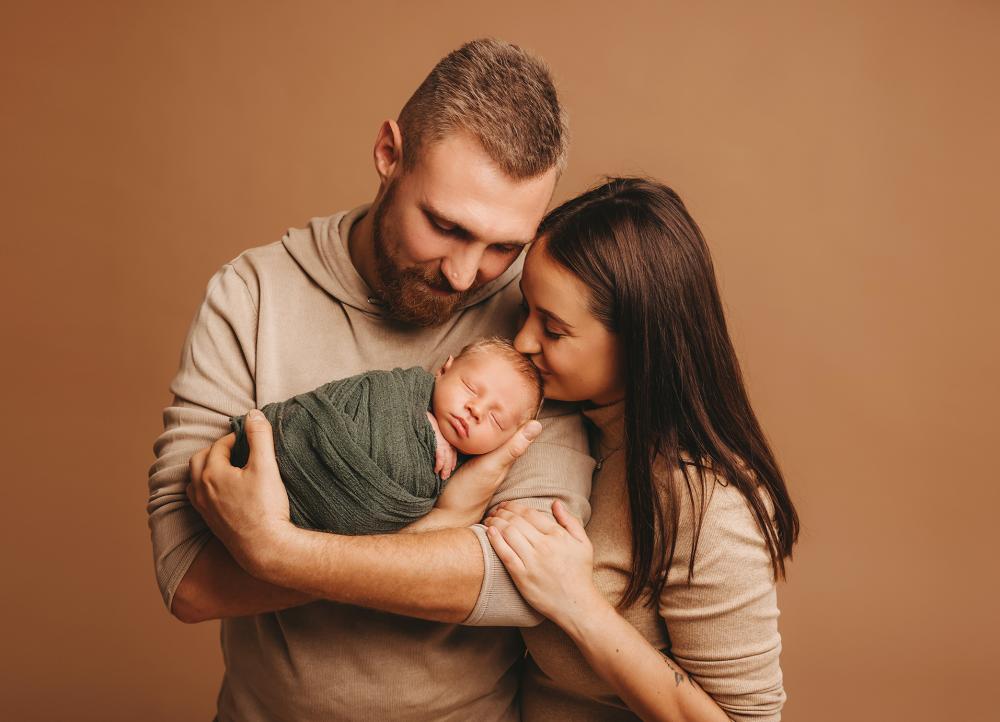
[
  {"x": 551, "y": 561},
  {"x": 549, "y": 558}
]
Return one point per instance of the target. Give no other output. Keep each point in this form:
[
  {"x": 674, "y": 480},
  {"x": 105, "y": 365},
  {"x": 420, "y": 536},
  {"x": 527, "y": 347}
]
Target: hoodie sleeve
[
  {"x": 557, "y": 465},
  {"x": 214, "y": 382}
]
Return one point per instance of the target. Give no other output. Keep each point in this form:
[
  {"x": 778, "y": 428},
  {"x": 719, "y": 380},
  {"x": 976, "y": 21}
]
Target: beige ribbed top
[
  {"x": 282, "y": 319},
  {"x": 722, "y": 628}
]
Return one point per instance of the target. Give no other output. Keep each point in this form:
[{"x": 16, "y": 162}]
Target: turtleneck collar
[{"x": 610, "y": 422}]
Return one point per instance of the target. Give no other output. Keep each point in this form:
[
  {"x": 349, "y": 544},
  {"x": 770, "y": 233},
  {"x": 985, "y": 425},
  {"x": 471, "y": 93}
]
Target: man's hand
[
  {"x": 463, "y": 502},
  {"x": 247, "y": 509}
]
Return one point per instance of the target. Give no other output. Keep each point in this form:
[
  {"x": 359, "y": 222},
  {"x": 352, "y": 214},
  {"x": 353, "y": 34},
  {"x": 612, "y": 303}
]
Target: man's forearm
[
  {"x": 435, "y": 575},
  {"x": 216, "y": 587},
  {"x": 438, "y": 518}
]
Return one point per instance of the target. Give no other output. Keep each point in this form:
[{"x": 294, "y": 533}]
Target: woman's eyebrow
[
  {"x": 555, "y": 318},
  {"x": 545, "y": 311}
]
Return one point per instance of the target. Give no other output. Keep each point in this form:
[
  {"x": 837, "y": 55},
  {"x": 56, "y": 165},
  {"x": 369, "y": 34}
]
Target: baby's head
[{"x": 483, "y": 395}]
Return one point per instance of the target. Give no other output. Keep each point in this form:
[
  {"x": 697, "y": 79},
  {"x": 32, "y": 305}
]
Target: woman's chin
[{"x": 554, "y": 393}]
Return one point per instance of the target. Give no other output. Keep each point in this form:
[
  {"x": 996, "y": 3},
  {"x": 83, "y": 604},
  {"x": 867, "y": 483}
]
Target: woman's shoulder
[{"x": 718, "y": 512}]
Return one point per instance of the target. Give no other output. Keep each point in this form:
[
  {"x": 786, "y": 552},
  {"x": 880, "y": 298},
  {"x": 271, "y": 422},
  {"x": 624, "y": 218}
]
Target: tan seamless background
[{"x": 841, "y": 158}]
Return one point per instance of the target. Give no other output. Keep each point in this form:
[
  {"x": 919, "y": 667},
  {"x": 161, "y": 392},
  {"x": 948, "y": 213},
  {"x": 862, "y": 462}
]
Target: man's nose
[{"x": 462, "y": 266}]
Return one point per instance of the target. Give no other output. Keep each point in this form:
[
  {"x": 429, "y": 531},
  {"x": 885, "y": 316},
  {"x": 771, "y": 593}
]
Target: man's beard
[{"x": 406, "y": 293}]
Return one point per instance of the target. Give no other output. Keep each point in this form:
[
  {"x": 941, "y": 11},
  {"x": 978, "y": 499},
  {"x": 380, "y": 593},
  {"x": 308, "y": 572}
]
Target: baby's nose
[{"x": 474, "y": 410}]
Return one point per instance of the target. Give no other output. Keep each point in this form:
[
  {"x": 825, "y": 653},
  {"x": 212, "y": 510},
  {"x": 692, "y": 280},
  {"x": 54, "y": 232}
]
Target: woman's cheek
[{"x": 555, "y": 383}]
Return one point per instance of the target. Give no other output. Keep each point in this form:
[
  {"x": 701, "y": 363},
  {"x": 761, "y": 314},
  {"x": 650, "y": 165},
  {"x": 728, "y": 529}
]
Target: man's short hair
[
  {"x": 521, "y": 363},
  {"x": 500, "y": 94}
]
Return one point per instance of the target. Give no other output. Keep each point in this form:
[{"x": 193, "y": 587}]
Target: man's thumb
[
  {"x": 260, "y": 439},
  {"x": 520, "y": 441}
]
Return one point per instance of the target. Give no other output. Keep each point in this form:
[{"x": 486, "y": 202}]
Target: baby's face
[{"x": 479, "y": 401}]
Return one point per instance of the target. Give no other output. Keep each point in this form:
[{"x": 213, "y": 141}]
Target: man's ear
[
  {"x": 445, "y": 366},
  {"x": 388, "y": 151}
]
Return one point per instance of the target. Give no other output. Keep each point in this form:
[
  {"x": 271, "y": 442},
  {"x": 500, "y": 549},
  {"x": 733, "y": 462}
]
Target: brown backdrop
[{"x": 840, "y": 158}]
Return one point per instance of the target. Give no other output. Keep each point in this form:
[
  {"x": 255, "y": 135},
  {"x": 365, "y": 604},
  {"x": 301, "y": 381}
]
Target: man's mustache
[{"x": 439, "y": 283}]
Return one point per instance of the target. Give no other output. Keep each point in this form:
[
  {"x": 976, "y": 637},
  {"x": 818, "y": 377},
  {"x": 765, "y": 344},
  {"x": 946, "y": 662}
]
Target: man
[{"x": 464, "y": 178}]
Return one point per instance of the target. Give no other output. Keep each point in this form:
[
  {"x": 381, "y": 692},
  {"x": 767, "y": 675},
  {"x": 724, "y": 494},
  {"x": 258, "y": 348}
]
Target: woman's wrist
[{"x": 586, "y": 616}]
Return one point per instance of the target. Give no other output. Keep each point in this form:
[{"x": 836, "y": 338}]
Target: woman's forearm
[{"x": 650, "y": 683}]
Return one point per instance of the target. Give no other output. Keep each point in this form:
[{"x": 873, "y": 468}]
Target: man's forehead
[
  {"x": 484, "y": 220},
  {"x": 462, "y": 184}
]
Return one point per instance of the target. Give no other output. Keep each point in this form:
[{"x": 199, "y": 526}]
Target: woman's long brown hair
[{"x": 652, "y": 283}]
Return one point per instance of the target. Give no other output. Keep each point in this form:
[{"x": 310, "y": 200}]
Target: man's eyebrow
[
  {"x": 429, "y": 209},
  {"x": 444, "y": 218}
]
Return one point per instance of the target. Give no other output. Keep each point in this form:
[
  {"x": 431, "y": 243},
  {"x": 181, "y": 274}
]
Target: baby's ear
[{"x": 445, "y": 366}]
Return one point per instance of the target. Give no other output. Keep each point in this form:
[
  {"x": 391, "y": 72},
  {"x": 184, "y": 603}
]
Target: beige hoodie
[{"x": 280, "y": 320}]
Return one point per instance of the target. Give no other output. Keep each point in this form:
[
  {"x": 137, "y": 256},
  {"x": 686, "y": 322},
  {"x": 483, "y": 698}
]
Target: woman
[{"x": 691, "y": 521}]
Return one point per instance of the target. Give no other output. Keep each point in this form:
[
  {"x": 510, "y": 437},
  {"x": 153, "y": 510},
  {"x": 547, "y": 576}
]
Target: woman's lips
[
  {"x": 461, "y": 428},
  {"x": 541, "y": 369}
]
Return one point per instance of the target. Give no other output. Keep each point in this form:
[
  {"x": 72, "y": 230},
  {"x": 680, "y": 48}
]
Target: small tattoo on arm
[{"x": 679, "y": 676}]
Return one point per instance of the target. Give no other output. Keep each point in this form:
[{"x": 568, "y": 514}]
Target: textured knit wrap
[{"x": 356, "y": 455}]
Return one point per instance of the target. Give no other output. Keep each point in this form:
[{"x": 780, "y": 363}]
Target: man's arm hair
[{"x": 215, "y": 587}]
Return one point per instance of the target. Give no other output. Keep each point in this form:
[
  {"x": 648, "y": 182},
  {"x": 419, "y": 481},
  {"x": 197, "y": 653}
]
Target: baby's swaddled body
[
  {"x": 361, "y": 455},
  {"x": 356, "y": 455}
]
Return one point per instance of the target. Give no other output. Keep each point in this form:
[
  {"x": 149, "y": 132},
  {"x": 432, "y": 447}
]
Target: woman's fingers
[
  {"x": 569, "y": 522},
  {"x": 514, "y": 506},
  {"x": 528, "y": 531},
  {"x": 538, "y": 519},
  {"x": 514, "y": 535},
  {"x": 507, "y": 555}
]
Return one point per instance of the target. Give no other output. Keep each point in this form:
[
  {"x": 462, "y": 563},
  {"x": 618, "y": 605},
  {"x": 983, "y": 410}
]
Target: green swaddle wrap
[{"x": 356, "y": 455}]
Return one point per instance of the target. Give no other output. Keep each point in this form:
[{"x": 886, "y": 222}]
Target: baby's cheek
[{"x": 505, "y": 436}]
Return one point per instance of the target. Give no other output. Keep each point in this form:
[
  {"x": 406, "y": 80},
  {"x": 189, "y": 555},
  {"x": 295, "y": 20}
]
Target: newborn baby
[{"x": 369, "y": 454}]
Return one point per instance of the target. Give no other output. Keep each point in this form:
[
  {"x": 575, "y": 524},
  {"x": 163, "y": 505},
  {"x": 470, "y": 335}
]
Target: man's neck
[{"x": 361, "y": 247}]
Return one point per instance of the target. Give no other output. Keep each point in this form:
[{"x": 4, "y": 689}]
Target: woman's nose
[{"x": 526, "y": 341}]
